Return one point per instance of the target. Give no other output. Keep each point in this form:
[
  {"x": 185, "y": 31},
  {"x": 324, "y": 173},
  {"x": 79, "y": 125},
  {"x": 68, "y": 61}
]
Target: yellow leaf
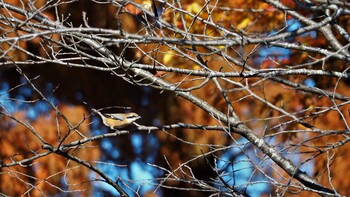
[
  {"x": 194, "y": 8},
  {"x": 196, "y": 67},
  {"x": 243, "y": 24},
  {"x": 168, "y": 58},
  {"x": 221, "y": 47},
  {"x": 147, "y": 5},
  {"x": 311, "y": 107}
]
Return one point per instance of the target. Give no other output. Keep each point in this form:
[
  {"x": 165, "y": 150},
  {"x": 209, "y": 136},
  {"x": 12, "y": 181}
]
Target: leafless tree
[{"x": 276, "y": 146}]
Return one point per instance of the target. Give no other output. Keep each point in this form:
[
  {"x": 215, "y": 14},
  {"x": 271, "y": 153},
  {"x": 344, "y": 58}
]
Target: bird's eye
[{"x": 132, "y": 116}]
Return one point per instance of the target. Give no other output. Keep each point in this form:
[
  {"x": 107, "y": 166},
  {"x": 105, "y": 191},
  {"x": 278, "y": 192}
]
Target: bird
[{"x": 117, "y": 120}]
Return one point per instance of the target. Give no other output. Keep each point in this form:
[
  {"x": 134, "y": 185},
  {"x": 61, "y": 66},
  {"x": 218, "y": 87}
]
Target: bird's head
[{"x": 131, "y": 117}]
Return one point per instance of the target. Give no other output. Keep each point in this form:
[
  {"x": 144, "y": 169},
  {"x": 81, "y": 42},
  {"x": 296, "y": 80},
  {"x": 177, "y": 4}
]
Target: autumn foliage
[
  {"x": 225, "y": 53},
  {"x": 46, "y": 173}
]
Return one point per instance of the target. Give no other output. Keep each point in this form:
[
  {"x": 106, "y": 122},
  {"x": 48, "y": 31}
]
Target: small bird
[{"x": 117, "y": 120}]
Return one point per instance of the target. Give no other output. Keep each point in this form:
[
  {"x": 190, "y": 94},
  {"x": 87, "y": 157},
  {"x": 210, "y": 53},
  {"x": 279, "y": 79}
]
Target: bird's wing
[{"x": 115, "y": 116}]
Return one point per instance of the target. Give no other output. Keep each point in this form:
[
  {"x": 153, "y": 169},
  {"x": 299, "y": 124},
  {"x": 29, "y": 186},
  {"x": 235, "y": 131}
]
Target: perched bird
[{"x": 117, "y": 120}]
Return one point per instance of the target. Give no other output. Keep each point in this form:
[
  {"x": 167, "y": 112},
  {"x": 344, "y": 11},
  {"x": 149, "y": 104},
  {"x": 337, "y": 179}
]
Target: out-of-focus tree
[
  {"x": 236, "y": 97},
  {"x": 43, "y": 176}
]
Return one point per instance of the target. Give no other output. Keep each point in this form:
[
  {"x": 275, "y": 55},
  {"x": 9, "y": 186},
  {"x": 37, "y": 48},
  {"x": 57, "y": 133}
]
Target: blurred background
[{"x": 139, "y": 161}]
